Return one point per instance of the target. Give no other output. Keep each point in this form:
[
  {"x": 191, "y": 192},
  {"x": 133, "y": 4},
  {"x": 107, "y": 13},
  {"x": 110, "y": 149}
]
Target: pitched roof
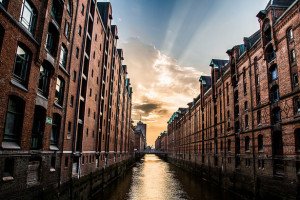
[
  {"x": 217, "y": 63},
  {"x": 279, "y": 3},
  {"x": 251, "y": 41},
  {"x": 205, "y": 80}
]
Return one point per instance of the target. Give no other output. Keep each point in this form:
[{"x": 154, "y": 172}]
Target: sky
[{"x": 168, "y": 44}]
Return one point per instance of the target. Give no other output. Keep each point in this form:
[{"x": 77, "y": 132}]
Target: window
[
  {"x": 79, "y": 30},
  {"x": 74, "y": 75},
  {"x": 57, "y": 11},
  {"x": 229, "y": 145},
  {"x": 274, "y": 93},
  {"x": 246, "y": 121},
  {"x": 21, "y": 65},
  {"x": 297, "y": 105},
  {"x": 82, "y": 9},
  {"x": 276, "y": 118},
  {"x": 246, "y": 105},
  {"x": 63, "y": 56},
  {"x": 290, "y": 35},
  {"x": 59, "y": 93},
  {"x": 44, "y": 80},
  {"x": 1, "y": 36},
  {"x": 293, "y": 56},
  {"x": 96, "y": 37},
  {"x": 52, "y": 39},
  {"x": 38, "y": 127},
  {"x": 247, "y": 143},
  {"x": 8, "y": 167},
  {"x": 72, "y": 101},
  {"x": 295, "y": 80},
  {"x": 53, "y": 162},
  {"x": 297, "y": 140},
  {"x": 28, "y": 16},
  {"x": 4, "y": 3},
  {"x": 66, "y": 161},
  {"x": 89, "y": 112},
  {"x": 91, "y": 91},
  {"x": 258, "y": 117},
  {"x": 270, "y": 53},
  {"x": 67, "y": 29},
  {"x": 56, "y": 123},
  {"x": 260, "y": 142},
  {"x": 69, "y": 7},
  {"x": 69, "y": 127},
  {"x": 273, "y": 73},
  {"x": 77, "y": 52},
  {"x": 14, "y": 119}
]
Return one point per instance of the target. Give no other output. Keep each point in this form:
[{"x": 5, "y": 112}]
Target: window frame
[
  {"x": 25, "y": 65},
  {"x": 63, "y": 57},
  {"x": 17, "y": 115},
  {"x": 30, "y": 26},
  {"x": 59, "y": 94}
]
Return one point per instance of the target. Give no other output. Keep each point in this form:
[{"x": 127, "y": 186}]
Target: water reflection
[{"x": 154, "y": 179}]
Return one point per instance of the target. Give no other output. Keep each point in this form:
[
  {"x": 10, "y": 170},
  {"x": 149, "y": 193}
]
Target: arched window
[
  {"x": 260, "y": 142},
  {"x": 59, "y": 91},
  {"x": 274, "y": 93},
  {"x": 55, "y": 132},
  {"x": 247, "y": 143},
  {"x": 22, "y": 64},
  {"x": 273, "y": 72},
  {"x": 290, "y": 34},
  {"x": 52, "y": 39},
  {"x": 14, "y": 119},
  {"x": 38, "y": 127},
  {"x": 63, "y": 56},
  {"x": 28, "y": 16},
  {"x": 44, "y": 79}
]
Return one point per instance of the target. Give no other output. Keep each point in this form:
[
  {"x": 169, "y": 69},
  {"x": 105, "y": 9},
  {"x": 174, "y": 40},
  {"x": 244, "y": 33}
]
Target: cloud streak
[{"x": 160, "y": 85}]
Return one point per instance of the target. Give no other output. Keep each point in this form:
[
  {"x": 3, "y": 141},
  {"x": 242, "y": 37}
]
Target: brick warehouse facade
[
  {"x": 243, "y": 130},
  {"x": 65, "y": 99}
]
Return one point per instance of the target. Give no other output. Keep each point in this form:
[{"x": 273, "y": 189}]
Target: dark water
[{"x": 155, "y": 179}]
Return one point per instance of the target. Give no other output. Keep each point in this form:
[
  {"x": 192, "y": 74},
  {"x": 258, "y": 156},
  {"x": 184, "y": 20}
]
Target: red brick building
[
  {"x": 242, "y": 131},
  {"x": 66, "y": 98}
]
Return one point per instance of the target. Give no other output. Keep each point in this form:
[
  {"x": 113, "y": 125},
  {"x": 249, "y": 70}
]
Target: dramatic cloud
[{"x": 160, "y": 85}]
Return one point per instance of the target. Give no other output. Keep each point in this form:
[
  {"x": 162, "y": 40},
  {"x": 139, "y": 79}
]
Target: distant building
[
  {"x": 143, "y": 128},
  {"x": 139, "y": 142},
  {"x": 161, "y": 143}
]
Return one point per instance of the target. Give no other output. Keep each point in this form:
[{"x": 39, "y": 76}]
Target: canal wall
[
  {"x": 85, "y": 187},
  {"x": 90, "y": 185},
  {"x": 246, "y": 185}
]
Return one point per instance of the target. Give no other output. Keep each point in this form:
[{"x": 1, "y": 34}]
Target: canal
[{"x": 154, "y": 179}]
